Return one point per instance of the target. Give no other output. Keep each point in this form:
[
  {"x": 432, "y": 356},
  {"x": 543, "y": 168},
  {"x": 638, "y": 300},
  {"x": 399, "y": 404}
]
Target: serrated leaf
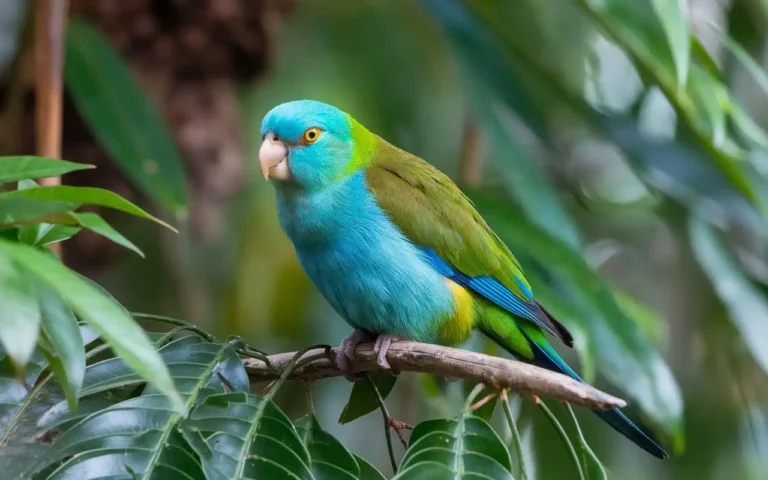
[
  {"x": 466, "y": 447},
  {"x": 18, "y": 412},
  {"x": 141, "y": 436},
  {"x": 19, "y": 313},
  {"x": 362, "y": 399},
  {"x": 122, "y": 117},
  {"x": 82, "y": 196},
  {"x": 673, "y": 15},
  {"x": 747, "y": 305},
  {"x": 107, "y": 317},
  {"x": 329, "y": 460},
  {"x": 20, "y": 409},
  {"x": 14, "y": 169},
  {"x": 108, "y": 380},
  {"x": 246, "y": 437}
]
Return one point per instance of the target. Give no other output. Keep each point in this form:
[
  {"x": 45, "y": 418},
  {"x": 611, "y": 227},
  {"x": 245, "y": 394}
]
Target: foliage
[
  {"x": 671, "y": 148},
  {"x": 41, "y": 297},
  {"x": 123, "y": 426}
]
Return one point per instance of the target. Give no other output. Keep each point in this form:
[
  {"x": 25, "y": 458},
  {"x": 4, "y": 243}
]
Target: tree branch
[{"x": 496, "y": 372}]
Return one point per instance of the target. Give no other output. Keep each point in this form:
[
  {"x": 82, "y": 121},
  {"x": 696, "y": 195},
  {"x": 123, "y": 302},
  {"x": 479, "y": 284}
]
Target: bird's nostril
[{"x": 275, "y": 138}]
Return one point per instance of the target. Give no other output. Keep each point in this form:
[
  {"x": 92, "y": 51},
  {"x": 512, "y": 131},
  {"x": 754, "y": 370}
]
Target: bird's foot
[
  {"x": 346, "y": 353},
  {"x": 380, "y": 349}
]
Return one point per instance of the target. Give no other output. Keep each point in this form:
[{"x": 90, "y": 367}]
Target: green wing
[{"x": 434, "y": 213}]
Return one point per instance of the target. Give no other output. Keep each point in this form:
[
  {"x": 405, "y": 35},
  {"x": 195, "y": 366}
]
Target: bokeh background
[{"x": 618, "y": 146}]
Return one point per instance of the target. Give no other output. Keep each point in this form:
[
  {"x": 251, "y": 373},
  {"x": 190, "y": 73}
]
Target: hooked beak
[{"x": 273, "y": 158}]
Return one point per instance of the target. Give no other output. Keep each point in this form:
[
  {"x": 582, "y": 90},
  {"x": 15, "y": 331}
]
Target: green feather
[{"x": 433, "y": 212}]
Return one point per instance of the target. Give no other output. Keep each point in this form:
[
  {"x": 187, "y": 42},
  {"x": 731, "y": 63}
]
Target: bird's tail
[{"x": 545, "y": 356}]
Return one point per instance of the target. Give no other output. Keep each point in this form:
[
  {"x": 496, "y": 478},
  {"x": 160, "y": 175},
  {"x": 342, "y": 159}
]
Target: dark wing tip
[{"x": 556, "y": 328}]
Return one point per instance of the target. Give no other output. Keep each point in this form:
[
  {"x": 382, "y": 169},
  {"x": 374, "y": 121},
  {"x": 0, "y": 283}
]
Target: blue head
[{"x": 310, "y": 144}]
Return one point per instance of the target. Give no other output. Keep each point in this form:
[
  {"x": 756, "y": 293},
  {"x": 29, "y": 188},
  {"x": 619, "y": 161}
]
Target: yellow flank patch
[{"x": 459, "y": 327}]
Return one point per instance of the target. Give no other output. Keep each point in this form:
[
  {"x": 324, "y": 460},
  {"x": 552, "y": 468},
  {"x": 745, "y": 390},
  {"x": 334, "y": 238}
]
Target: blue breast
[{"x": 360, "y": 261}]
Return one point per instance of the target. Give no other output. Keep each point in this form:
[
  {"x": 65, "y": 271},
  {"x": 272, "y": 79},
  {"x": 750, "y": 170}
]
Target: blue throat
[{"x": 361, "y": 262}]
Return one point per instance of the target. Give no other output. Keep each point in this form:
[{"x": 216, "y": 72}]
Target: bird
[{"x": 398, "y": 250}]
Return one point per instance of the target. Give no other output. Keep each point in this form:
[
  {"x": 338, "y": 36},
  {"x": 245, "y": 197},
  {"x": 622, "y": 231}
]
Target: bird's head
[{"x": 310, "y": 144}]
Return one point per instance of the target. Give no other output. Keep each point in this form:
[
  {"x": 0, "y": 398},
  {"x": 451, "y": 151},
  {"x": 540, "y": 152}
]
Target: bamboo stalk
[{"x": 50, "y": 23}]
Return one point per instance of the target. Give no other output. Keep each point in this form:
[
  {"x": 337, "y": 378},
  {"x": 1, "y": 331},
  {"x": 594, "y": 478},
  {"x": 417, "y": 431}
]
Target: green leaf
[
  {"x": 529, "y": 184},
  {"x": 141, "y": 435},
  {"x": 466, "y": 447},
  {"x": 745, "y": 59},
  {"x": 682, "y": 172},
  {"x": 21, "y": 211},
  {"x": 57, "y": 233},
  {"x": 62, "y": 332},
  {"x": 367, "y": 471},
  {"x": 82, "y": 196},
  {"x": 107, "y": 317},
  {"x": 19, "y": 313},
  {"x": 19, "y": 411},
  {"x": 96, "y": 224},
  {"x": 122, "y": 117},
  {"x": 13, "y": 169},
  {"x": 362, "y": 400},
  {"x": 329, "y": 459},
  {"x": 623, "y": 352},
  {"x": 41, "y": 234},
  {"x": 747, "y": 306},
  {"x": 591, "y": 465},
  {"x": 673, "y": 16},
  {"x": 246, "y": 436},
  {"x": 483, "y": 61},
  {"x": 628, "y": 23}
]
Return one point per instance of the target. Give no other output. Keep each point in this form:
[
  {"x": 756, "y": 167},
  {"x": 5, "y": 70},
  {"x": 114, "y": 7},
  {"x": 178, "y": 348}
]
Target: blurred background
[{"x": 619, "y": 147}]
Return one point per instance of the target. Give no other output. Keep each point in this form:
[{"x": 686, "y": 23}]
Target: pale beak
[{"x": 273, "y": 158}]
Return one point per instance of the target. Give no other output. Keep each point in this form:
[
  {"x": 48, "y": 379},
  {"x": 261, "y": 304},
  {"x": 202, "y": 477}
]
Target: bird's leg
[
  {"x": 380, "y": 349},
  {"x": 346, "y": 352}
]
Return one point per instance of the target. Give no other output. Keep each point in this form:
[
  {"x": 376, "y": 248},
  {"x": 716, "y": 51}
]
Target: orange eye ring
[{"x": 311, "y": 135}]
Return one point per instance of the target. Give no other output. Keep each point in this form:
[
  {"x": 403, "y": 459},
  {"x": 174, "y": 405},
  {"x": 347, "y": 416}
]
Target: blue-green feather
[{"x": 545, "y": 356}]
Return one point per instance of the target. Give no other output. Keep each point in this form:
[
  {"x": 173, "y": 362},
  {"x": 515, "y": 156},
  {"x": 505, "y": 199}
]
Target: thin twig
[
  {"x": 515, "y": 434},
  {"x": 175, "y": 321},
  {"x": 564, "y": 436},
  {"x": 482, "y": 401},
  {"x": 385, "y": 414},
  {"x": 496, "y": 372}
]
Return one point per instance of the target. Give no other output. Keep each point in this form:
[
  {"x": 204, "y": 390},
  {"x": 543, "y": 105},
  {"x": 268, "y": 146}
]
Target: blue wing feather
[{"x": 496, "y": 292}]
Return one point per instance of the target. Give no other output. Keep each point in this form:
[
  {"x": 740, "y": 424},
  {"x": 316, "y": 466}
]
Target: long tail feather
[{"x": 546, "y": 357}]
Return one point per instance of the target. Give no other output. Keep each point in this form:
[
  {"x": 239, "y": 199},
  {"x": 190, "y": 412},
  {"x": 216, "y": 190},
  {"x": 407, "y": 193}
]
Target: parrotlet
[{"x": 397, "y": 249}]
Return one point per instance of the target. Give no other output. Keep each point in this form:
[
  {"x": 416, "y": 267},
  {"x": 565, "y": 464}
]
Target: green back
[{"x": 433, "y": 212}]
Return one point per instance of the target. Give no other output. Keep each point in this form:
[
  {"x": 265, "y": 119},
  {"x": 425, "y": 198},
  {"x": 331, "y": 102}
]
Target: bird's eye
[{"x": 311, "y": 135}]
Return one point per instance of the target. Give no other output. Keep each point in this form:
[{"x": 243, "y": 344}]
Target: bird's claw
[
  {"x": 346, "y": 353},
  {"x": 380, "y": 349}
]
